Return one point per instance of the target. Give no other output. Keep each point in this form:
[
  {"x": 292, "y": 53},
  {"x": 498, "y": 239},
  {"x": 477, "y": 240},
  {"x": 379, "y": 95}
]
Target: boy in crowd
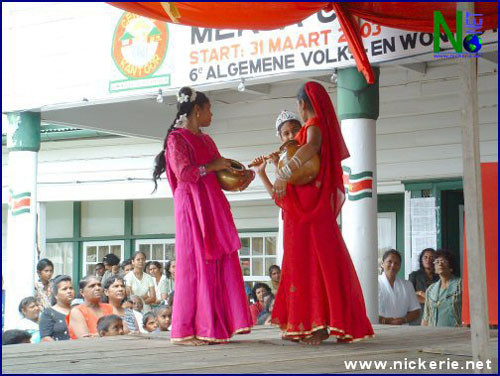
[
  {"x": 110, "y": 325},
  {"x": 15, "y": 336}
]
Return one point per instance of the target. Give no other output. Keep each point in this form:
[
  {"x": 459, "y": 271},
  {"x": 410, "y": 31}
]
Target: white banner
[{"x": 193, "y": 56}]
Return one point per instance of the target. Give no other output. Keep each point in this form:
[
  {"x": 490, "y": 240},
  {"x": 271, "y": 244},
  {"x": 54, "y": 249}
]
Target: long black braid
[{"x": 185, "y": 107}]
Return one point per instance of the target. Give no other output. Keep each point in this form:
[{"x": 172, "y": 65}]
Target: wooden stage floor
[{"x": 262, "y": 351}]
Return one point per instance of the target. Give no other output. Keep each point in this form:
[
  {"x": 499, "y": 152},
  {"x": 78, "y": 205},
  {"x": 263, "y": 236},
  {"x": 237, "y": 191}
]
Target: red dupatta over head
[{"x": 329, "y": 186}]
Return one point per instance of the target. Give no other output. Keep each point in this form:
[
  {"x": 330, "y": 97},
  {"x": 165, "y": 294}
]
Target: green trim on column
[
  {"x": 23, "y": 131},
  {"x": 356, "y": 99},
  {"x": 77, "y": 245},
  {"x": 128, "y": 226}
]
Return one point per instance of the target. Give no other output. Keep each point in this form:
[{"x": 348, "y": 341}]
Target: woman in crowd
[
  {"x": 319, "y": 293},
  {"x": 425, "y": 276},
  {"x": 170, "y": 274},
  {"x": 397, "y": 302},
  {"x": 160, "y": 282},
  {"x": 127, "y": 266},
  {"x": 266, "y": 314},
  {"x": 259, "y": 291},
  {"x": 53, "y": 321},
  {"x": 43, "y": 287},
  {"x": 30, "y": 311},
  {"x": 275, "y": 274},
  {"x": 443, "y": 299},
  {"x": 140, "y": 283},
  {"x": 83, "y": 318},
  {"x": 207, "y": 240},
  {"x": 114, "y": 290}
]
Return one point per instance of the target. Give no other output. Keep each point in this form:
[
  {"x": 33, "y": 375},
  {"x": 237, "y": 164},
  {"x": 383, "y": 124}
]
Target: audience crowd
[{"x": 136, "y": 296}]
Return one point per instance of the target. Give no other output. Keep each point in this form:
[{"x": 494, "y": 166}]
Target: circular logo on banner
[{"x": 139, "y": 45}]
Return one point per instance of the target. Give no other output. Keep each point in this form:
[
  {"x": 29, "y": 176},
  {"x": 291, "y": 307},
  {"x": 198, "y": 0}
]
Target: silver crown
[{"x": 284, "y": 116}]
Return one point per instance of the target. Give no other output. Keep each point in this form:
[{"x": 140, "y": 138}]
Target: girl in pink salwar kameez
[{"x": 210, "y": 303}]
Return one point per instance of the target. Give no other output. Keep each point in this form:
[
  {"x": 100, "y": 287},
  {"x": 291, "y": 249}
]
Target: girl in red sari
[{"x": 319, "y": 293}]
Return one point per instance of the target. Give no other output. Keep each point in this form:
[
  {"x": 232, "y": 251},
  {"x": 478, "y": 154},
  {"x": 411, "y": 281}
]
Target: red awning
[{"x": 413, "y": 16}]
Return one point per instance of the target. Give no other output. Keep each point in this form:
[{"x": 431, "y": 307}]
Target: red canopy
[{"x": 413, "y": 16}]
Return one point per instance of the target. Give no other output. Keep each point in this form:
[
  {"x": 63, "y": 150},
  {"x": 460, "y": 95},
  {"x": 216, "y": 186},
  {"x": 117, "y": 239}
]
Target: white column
[
  {"x": 359, "y": 214},
  {"x": 21, "y": 232},
  {"x": 23, "y": 143}
]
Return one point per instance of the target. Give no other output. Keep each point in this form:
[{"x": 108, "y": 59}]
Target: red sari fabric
[{"x": 319, "y": 286}]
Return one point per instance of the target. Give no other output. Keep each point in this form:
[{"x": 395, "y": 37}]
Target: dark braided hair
[{"x": 186, "y": 108}]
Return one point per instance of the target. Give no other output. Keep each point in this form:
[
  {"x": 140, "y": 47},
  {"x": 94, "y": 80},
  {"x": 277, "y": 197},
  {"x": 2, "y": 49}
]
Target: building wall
[{"x": 418, "y": 137}]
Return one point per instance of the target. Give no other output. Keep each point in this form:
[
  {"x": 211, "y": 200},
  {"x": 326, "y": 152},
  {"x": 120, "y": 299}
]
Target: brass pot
[
  {"x": 307, "y": 172},
  {"x": 235, "y": 179}
]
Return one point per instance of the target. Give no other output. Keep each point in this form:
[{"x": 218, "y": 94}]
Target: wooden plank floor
[{"x": 262, "y": 351}]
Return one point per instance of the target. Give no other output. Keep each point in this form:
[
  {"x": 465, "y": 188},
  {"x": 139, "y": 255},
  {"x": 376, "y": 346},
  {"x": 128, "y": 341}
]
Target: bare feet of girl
[
  {"x": 191, "y": 342},
  {"x": 316, "y": 338}
]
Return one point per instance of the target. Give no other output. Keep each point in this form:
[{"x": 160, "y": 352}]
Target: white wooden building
[{"x": 94, "y": 190}]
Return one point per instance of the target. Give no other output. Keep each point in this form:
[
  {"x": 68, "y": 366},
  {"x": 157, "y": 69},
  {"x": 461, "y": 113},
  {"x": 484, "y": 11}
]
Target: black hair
[
  {"x": 167, "y": 269},
  {"x": 85, "y": 281},
  {"x": 183, "y": 108},
  {"x": 421, "y": 257},
  {"x": 170, "y": 299},
  {"x": 26, "y": 302},
  {"x": 126, "y": 262},
  {"x": 147, "y": 316},
  {"x": 55, "y": 285},
  {"x": 302, "y": 96},
  {"x": 157, "y": 310},
  {"x": 15, "y": 336},
  {"x": 99, "y": 264},
  {"x": 269, "y": 302},
  {"x": 388, "y": 253},
  {"x": 272, "y": 267},
  {"x": 137, "y": 253},
  {"x": 43, "y": 263},
  {"x": 111, "y": 259},
  {"x": 133, "y": 297},
  {"x": 107, "y": 285},
  {"x": 448, "y": 256},
  {"x": 156, "y": 263},
  {"x": 111, "y": 280},
  {"x": 392, "y": 252},
  {"x": 257, "y": 286},
  {"x": 105, "y": 322}
]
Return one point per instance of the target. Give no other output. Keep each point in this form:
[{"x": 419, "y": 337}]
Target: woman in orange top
[
  {"x": 83, "y": 319},
  {"x": 319, "y": 293}
]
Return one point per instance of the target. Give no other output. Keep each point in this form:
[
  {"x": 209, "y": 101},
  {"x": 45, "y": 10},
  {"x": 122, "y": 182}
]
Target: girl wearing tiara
[
  {"x": 210, "y": 303},
  {"x": 287, "y": 127}
]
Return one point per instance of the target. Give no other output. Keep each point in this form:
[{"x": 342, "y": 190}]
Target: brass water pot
[
  {"x": 235, "y": 179},
  {"x": 309, "y": 170}
]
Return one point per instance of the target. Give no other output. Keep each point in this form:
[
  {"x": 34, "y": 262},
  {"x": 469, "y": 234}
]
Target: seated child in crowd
[
  {"x": 15, "y": 336},
  {"x": 137, "y": 305},
  {"x": 164, "y": 317},
  {"x": 110, "y": 325},
  {"x": 150, "y": 323}
]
